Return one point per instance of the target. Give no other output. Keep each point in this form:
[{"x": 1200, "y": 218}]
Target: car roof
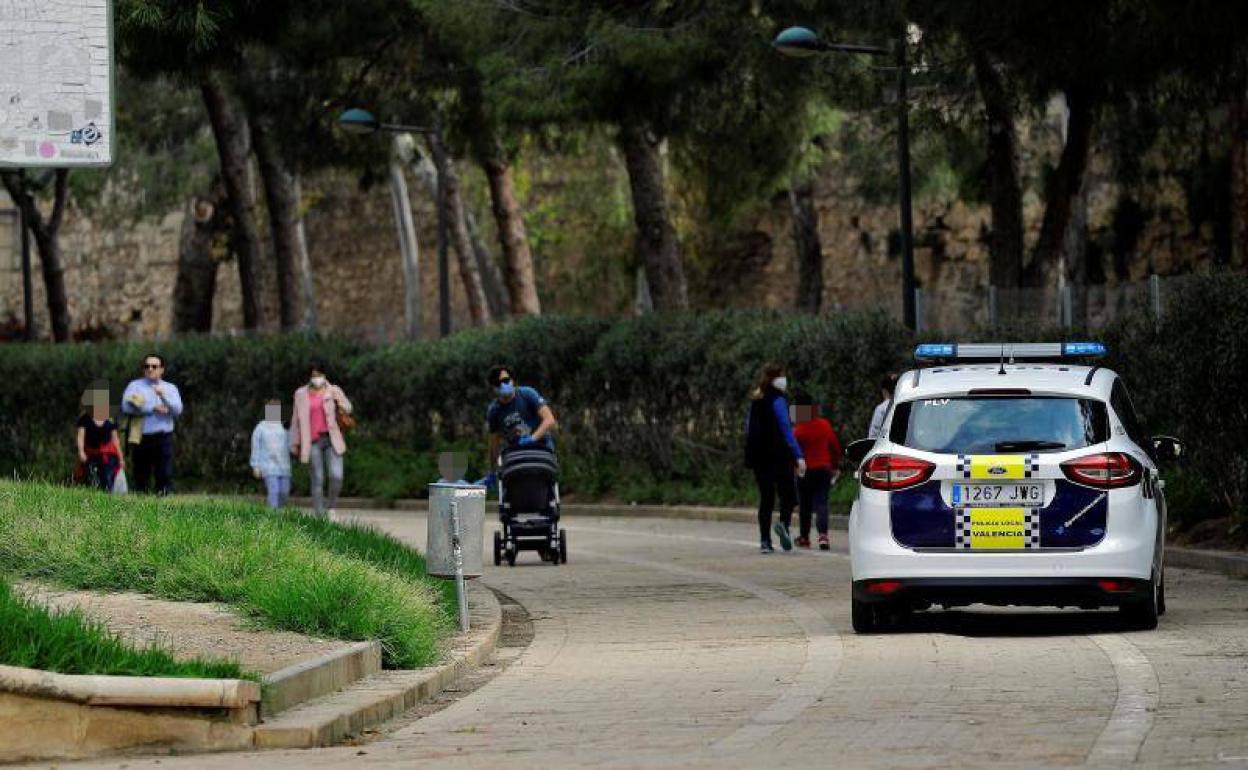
[{"x": 1060, "y": 379}]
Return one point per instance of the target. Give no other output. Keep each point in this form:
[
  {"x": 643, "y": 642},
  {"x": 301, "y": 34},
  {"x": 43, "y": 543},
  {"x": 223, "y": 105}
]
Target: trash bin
[{"x": 469, "y": 502}]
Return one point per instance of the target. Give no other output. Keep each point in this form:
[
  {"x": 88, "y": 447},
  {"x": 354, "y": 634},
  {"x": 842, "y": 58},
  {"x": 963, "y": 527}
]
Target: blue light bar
[
  {"x": 1083, "y": 348},
  {"x": 935, "y": 350},
  {"x": 1007, "y": 351}
]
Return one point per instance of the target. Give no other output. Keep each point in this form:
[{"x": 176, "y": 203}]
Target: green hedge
[{"x": 651, "y": 407}]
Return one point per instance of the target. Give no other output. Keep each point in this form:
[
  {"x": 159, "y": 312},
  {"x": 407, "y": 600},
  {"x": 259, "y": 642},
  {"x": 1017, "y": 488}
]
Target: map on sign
[{"x": 56, "y": 88}]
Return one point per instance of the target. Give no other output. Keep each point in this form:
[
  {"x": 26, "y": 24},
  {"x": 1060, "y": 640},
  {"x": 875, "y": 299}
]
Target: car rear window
[{"x": 986, "y": 425}]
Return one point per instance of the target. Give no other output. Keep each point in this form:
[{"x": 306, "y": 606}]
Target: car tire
[
  {"x": 1141, "y": 615},
  {"x": 866, "y": 617}
]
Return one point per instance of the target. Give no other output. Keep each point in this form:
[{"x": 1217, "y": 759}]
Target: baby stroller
[{"x": 528, "y": 506}]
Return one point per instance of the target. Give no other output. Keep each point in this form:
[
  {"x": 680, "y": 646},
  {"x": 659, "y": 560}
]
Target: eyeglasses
[
  {"x": 152, "y": 366},
  {"x": 504, "y": 380}
]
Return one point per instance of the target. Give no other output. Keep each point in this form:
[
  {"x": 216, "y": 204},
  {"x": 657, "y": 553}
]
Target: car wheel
[
  {"x": 865, "y": 617},
  {"x": 1141, "y": 614}
]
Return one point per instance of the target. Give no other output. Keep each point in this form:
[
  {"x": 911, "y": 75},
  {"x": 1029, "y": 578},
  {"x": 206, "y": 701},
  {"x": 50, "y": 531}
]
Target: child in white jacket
[{"x": 270, "y": 454}]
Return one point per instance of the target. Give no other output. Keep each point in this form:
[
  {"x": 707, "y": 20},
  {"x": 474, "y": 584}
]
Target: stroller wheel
[
  {"x": 563, "y": 546},
  {"x": 511, "y": 555},
  {"x": 498, "y": 548}
]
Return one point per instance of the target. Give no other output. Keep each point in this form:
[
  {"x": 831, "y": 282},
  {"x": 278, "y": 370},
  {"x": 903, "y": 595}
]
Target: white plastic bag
[{"x": 119, "y": 483}]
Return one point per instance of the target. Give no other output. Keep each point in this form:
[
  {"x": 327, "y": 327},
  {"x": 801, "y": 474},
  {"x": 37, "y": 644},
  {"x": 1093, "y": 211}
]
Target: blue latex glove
[{"x": 526, "y": 441}]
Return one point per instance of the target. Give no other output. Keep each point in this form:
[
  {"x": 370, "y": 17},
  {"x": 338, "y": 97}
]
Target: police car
[{"x": 1009, "y": 474}]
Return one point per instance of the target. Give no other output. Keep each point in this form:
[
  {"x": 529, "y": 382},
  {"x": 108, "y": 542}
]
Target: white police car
[{"x": 1013, "y": 474}]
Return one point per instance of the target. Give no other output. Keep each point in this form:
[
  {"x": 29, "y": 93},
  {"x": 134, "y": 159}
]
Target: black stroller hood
[{"x": 534, "y": 462}]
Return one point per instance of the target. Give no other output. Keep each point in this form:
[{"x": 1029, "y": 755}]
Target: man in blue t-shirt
[{"x": 518, "y": 415}]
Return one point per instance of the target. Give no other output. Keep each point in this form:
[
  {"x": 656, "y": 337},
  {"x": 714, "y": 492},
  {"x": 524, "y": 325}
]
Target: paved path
[{"x": 674, "y": 644}]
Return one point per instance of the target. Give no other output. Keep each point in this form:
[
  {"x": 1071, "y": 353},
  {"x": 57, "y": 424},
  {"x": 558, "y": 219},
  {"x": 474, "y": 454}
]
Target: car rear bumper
[
  {"x": 1129, "y": 549},
  {"x": 1030, "y": 592}
]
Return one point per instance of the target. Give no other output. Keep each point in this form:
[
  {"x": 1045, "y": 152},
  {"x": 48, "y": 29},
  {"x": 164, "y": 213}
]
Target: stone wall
[{"x": 120, "y": 278}]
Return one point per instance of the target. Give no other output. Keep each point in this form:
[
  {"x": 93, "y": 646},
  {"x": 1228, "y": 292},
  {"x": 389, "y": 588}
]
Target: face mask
[
  {"x": 780, "y": 383},
  {"x": 505, "y": 389},
  {"x": 317, "y": 382}
]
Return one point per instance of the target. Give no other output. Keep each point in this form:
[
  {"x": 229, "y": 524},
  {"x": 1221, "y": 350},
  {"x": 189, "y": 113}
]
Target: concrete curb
[
  {"x": 385, "y": 695},
  {"x": 1226, "y": 562},
  {"x": 49, "y": 716},
  {"x": 145, "y": 691},
  {"x": 315, "y": 678}
]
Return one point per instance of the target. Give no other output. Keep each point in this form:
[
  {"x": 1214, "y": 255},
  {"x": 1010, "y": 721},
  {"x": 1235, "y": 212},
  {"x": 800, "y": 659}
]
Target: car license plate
[{"x": 997, "y": 495}]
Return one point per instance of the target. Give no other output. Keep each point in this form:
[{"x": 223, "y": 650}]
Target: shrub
[{"x": 650, "y": 408}]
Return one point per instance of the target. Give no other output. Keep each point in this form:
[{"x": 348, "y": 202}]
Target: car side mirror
[
  {"x": 857, "y": 450},
  {"x": 1167, "y": 448}
]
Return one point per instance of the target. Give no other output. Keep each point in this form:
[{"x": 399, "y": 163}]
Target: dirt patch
[{"x": 187, "y": 629}]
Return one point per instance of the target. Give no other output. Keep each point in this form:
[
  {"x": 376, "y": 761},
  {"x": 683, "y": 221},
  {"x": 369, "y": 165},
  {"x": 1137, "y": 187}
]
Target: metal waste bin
[{"x": 469, "y": 504}]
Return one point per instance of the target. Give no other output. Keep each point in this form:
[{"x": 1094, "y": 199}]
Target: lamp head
[
  {"x": 359, "y": 121},
  {"x": 799, "y": 42}
]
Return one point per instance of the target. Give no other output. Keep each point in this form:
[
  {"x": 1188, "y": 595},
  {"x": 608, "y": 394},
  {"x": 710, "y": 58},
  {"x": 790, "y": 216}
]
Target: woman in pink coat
[{"x": 316, "y": 438}]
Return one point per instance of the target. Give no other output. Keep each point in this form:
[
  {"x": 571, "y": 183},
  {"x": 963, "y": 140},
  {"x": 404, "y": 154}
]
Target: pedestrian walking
[
  {"x": 887, "y": 385},
  {"x": 270, "y": 454},
  {"x": 822, "y": 450},
  {"x": 159, "y": 404},
  {"x": 772, "y": 452},
  {"x": 321, "y": 410},
  {"x": 99, "y": 449}
]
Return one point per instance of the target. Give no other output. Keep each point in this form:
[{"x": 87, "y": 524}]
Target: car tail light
[
  {"x": 895, "y": 472},
  {"x": 1113, "y": 586},
  {"x": 883, "y": 586},
  {"x": 1108, "y": 470}
]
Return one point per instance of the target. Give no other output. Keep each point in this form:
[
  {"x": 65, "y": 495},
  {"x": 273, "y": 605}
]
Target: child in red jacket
[{"x": 822, "y": 450}]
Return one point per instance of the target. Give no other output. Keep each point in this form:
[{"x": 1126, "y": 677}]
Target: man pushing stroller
[
  {"x": 518, "y": 416},
  {"x": 521, "y": 426}
]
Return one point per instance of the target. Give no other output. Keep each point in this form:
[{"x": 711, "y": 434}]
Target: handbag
[{"x": 346, "y": 423}]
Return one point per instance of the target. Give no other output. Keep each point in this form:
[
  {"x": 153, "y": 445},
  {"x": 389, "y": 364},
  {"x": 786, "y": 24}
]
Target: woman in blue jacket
[{"x": 772, "y": 452}]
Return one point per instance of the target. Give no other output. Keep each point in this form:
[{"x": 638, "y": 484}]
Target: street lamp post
[
  {"x": 361, "y": 122},
  {"x": 800, "y": 42}
]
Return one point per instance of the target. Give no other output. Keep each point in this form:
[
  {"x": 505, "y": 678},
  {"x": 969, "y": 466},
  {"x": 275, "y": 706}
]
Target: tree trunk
[
  {"x": 229, "y": 130},
  {"x": 409, "y": 248},
  {"x": 1063, "y": 194},
  {"x": 307, "y": 286},
  {"x": 469, "y": 271},
  {"x": 1239, "y": 177},
  {"x": 657, "y": 245},
  {"x": 196, "y": 284},
  {"x": 1005, "y": 244},
  {"x": 806, "y": 245},
  {"x": 517, "y": 258},
  {"x": 47, "y": 240},
  {"x": 282, "y": 198},
  {"x": 491, "y": 276}
]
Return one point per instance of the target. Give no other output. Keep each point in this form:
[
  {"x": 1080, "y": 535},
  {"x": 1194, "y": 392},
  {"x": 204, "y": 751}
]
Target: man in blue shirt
[
  {"x": 518, "y": 415},
  {"x": 159, "y": 404}
]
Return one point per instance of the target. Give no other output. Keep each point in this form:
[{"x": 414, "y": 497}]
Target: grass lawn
[
  {"x": 284, "y": 570},
  {"x": 33, "y": 636}
]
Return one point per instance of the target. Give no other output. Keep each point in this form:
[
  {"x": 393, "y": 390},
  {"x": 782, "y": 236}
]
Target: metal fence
[{"x": 1066, "y": 306}]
